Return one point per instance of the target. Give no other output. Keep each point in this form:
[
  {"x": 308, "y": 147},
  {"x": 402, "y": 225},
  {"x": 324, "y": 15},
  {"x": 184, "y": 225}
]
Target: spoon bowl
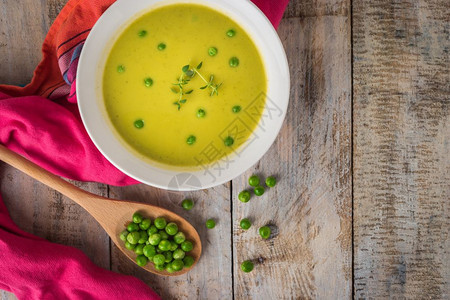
[
  {"x": 112, "y": 215},
  {"x": 122, "y": 211}
]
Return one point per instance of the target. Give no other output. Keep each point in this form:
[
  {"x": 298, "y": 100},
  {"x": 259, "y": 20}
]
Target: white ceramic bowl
[{"x": 111, "y": 145}]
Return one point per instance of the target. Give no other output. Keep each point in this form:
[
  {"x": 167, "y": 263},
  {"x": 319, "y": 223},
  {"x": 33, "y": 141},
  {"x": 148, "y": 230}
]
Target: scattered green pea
[
  {"x": 244, "y": 196},
  {"x": 149, "y": 251},
  {"x": 172, "y": 228},
  {"x": 187, "y": 204},
  {"x": 133, "y": 237},
  {"x": 132, "y": 227},
  {"x": 179, "y": 237},
  {"x": 236, "y": 109},
  {"x": 191, "y": 140},
  {"x": 231, "y": 32},
  {"x": 187, "y": 246},
  {"x": 234, "y": 62},
  {"x": 159, "y": 259},
  {"x": 169, "y": 256},
  {"x": 142, "y": 33},
  {"x": 123, "y": 235},
  {"x": 212, "y": 51},
  {"x": 120, "y": 68},
  {"x": 160, "y": 222},
  {"x": 177, "y": 265},
  {"x": 228, "y": 141},
  {"x": 139, "y": 249},
  {"x": 259, "y": 190},
  {"x": 148, "y": 82},
  {"x": 161, "y": 46},
  {"x": 141, "y": 260},
  {"x": 245, "y": 224},
  {"x": 145, "y": 224},
  {"x": 271, "y": 181},
  {"x": 164, "y": 245},
  {"x": 163, "y": 234},
  {"x": 253, "y": 180},
  {"x": 152, "y": 230},
  {"x": 139, "y": 124},
  {"x": 129, "y": 245},
  {"x": 210, "y": 224},
  {"x": 201, "y": 113},
  {"x": 264, "y": 232},
  {"x": 154, "y": 239},
  {"x": 178, "y": 254},
  {"x": 188, "y": 261},
  {"x": 247, "y": 266}
]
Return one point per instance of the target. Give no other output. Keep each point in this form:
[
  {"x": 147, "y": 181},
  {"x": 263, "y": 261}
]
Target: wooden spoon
[{"x": 113, "y": 215}]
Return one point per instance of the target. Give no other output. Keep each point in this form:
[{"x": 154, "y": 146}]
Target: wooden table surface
[{"x": 362, "y": 206}]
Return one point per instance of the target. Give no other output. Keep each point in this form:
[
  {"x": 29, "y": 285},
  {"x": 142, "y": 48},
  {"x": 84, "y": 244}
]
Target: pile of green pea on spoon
[{"x": 160, "y": 243}]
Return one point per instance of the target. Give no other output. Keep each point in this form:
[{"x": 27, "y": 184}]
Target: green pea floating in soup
[
  {"x": 236, "y": 109},
  {"x": 229, "y": 141},
  {"x": 161, "y": 46},
  {"x": 139, "y": 124},
  {"x": 142, "y": 33},
  {"x": 231, "y": 33},
  {"x": 212, "y": 51},
  {"x": 234, "y": 62},
  {"x": 120, "y": 68},
  {"x": 201, "y": 113},
  {"x": 191, "y": 140},
  {"x": 148, "y": 82}
]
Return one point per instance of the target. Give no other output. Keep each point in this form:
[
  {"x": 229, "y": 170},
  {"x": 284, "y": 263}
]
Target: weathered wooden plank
[
  {"x": 316, "y": 8},
  {"x": 311, "y": 255},
  {"x": 401, "y": 149},
  {"x": 211, "y": 277},
  {"x": 23, "y": 27}
]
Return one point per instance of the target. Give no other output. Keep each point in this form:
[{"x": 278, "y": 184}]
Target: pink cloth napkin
[
  {"x": 41, "y": 122},
  {"x": 33, "y": 268}
]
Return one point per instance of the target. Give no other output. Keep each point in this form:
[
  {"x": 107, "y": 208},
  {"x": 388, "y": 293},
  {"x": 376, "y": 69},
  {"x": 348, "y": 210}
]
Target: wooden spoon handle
[{"x": 44, "y": 176}]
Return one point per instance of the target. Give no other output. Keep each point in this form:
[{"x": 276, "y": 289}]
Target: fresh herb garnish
[
  {"x": 188, "y": 74},
  {"x": 182, "y": 81},
  {"x": 209, "y": 84}
]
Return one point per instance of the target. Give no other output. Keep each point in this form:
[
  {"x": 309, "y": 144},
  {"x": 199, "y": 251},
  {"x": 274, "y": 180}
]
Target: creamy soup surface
[{"x": 156, "y": 103}]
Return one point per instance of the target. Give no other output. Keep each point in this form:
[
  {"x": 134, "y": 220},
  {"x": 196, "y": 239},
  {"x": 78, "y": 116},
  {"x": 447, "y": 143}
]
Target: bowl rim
[{"x": 135, "y": 165}]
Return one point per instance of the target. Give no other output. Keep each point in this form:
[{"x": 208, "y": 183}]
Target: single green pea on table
[{"x": 158, "y": 243}]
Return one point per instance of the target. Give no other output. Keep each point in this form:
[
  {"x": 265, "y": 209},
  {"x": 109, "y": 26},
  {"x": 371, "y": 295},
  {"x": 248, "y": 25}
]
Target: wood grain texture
[
  {"x": 23, "y": 27},
  {"x": 401, "y": 149},
  {"x": 310, "y": 255},
  {"x": 211, "y": 277},
  {"x": 316, "y": 8}
]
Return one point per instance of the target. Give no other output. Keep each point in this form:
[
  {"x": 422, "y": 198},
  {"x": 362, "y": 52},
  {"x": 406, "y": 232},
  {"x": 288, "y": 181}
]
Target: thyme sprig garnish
[
  {"x": 182, "y": 81},
  {"x": 186, "y": 76},
  {"x": 209, "y": 84}
]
